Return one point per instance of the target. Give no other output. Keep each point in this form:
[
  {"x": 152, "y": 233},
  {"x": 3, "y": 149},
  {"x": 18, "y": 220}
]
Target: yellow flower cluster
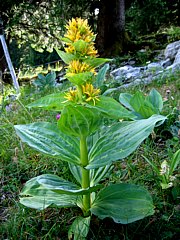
[
  {"x": 79, "y": 38},
  {"x": 90, "y": 93},
  {"x": 71, "y": 96},
  {"x": 77, "y": 66},
  {"x": 78, "y": 29}
]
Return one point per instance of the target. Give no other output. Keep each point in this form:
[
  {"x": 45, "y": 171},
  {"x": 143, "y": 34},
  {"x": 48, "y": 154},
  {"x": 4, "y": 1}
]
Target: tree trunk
[{"x": 111, "y": 37}]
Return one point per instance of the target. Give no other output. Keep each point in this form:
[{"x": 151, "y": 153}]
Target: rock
[
  {"x": 171, "y": 50},
  {"x": 120, "y": 71},
  {"x": 165, "y": 63},
  {"x": 177, "y": 58},
  {"x": 163, "y": 68},
  {"x": 154, "y": 67},
  {"x": 174, "y": 67}
]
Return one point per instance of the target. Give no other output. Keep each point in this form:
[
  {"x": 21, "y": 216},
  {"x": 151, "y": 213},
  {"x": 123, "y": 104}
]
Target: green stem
[
  {"x": 79, "y": 89},
  {"x": 85, "y": 174}
]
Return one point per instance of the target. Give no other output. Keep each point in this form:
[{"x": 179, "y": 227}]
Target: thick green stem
[
  {"x": 85, "y": 174},
  {"x": 79, "y": 89}
]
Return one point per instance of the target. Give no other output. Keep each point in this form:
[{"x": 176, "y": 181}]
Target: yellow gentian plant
[{"x": 81, "y": 139}]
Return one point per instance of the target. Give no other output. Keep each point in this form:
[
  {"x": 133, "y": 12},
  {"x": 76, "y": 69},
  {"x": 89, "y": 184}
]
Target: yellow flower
[
  {"x": 78, "y": 29},
  {"x": 71, "y": 95},
  {"x": 77, "y": 66},
  {"x": 90, "y": 93}
]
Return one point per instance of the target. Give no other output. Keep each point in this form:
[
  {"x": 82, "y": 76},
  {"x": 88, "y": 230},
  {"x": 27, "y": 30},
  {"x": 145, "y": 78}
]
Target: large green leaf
[
  {"x": 146, "y": 109},
  {"x": 124, "y": 203},
  {"x": 79, "y": 78},
  {"x": 46, "y": 198},
  {"x": 125, "y": 99},
  {"x": 47, "y": 138},
  {"x": 79, "y": 120},
  {"x": 95, "y": 62},
  {"x": 66, "y": 57},
  {"x": 112, "y": 109},
  {"x": 101, "y": 76},
  {"x": 53, "y": 101},
  {"x": 49, "y": 199},
  {"x": 137, "y": 100},
  {"x": 35, "y": 195},
  {"x": 156, "y": 100},
  {"x": 141, "y": 106},
  {"x": 79, "y": 229},
  {"x": 48, "y": 182},
  {"x": 120, "y": 140}
]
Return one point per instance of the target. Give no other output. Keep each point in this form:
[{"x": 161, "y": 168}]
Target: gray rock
[
  {"x": 163, "y": 68},
  {"x": 171, "y": 50},
  {"x": 120, "y": 71},
  {"x": 174, "y": 67},
  {"x": 154, "y": 66},
  {"x": 165, "y": 63},
  {"x": 177, "y": 58}
]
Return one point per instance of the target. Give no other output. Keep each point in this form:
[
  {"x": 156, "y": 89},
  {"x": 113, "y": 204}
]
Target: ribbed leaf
[
  {"x": 124, "y": 99},
  {"x": 66, "y": 57},
  {"x": 120, "y": 140},
  {"x": 137, "y": 100},
  {"x": 49, "y": 182},
  {"x": 49, "y": 199},
  {"x": 79, "y": 120},
  {"x": 124, "y": 203},
  {"x": 155, "y": 99},
  {"x": 76, "y": 172},
  {"x": 47, "y": 138},
  {"x": 141, "y": 106},
  {"x": 96, "y": 62},
  {"x": 112, "y": 109},
  {"x": 174, "y": 162},
  {"x": 96, "y": 175},
  {"x": 53, "y": 101},
  {"x": 101, "y": 76},
  {"x": 79, "y": 78},
  {"x": 79, "y": 229},
  {"x": 147, "y": 110}
]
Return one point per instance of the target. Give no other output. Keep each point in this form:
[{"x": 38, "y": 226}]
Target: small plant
[
  {"x": 165, "y": 172},
  {"x": 81, "y": 138},
  {"x": 43, "y": 82},
  {"x": 142, "y": 106}
]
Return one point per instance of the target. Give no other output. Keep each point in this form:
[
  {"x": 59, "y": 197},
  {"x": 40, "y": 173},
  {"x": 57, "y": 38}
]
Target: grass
[{"x": 20, "y": 163}]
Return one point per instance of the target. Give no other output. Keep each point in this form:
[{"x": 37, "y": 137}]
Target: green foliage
[
  {"x": 79, "y": 229},
  {"x": 82, "y": 139},
  {"x": 89, "y": 137},
  {"x": 142, "y": 14},
  {"x": 79, "y": 121},
  {"x": 165, "y": 173},
  {"x": 58, "y": 144},
  {"x": 125, "y": 203},
  {"x": 142, "y": 106},
  {"x": 43, "y": 82},
  {"x": 20, "y": 163},
  {"x": 123, "y": 139}
]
